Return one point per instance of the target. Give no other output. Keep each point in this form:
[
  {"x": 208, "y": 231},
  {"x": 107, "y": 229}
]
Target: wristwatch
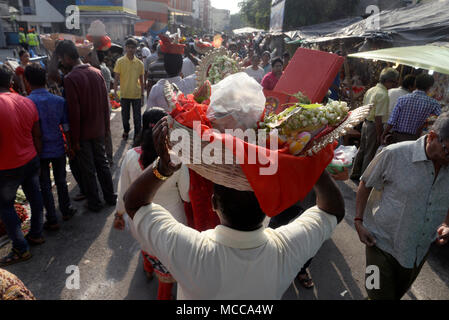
[{"x": 156, "y": 171}]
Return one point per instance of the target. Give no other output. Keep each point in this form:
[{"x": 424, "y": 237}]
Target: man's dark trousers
[
  {"x": 137, "y": 115},
  {"x": 93, "y": 163}
]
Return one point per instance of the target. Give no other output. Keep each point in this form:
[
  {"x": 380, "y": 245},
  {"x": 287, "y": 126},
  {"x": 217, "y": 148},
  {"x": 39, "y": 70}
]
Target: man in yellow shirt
[
  {"x": 33, "y": 41},
  {"x": 373, "y": 126},
  {"x": 129, "y": 70}
]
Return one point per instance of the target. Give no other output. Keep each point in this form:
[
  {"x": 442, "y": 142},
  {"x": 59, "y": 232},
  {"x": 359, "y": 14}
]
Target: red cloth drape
[{"x": 203, "y": 217}]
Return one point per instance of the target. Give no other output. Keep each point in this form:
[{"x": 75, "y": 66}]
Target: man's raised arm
[
  {"x": 329, "y": 197},
  {"x": 143, "y": 190}
]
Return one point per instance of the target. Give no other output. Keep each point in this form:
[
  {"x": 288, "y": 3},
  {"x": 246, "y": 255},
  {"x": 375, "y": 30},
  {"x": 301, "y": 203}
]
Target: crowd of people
[{"x": 212, "y": 240}]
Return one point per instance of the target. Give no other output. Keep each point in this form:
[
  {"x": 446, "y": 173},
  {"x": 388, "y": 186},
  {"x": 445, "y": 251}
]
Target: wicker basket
[{"x": 230, "y": 174}]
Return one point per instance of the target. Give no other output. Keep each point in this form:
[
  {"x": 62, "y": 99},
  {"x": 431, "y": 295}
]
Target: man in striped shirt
[
  {"x": 156, "y": 70},
  {"x": 412, "y": 110}
]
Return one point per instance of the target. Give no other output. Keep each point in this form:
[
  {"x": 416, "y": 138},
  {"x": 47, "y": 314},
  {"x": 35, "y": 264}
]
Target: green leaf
[{"x": 311, "y": 106}]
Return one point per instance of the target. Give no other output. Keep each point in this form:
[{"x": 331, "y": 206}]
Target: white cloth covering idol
[
  {"x": 188, "y": 68},
  {"x": 227, "y": 264},
  {"x": 171, "y": 194},
  {"x": 157, "y": 97}
]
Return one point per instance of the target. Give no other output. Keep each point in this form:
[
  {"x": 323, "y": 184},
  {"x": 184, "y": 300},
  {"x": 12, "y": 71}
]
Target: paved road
[{"x": 111, "y": 267}]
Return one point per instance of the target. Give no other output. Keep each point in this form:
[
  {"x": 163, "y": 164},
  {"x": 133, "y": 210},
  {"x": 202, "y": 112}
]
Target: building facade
[
  {"x": 221, "y": 20},
  {"x": 41, "y": 15},
  {"x": 155, "y": 10},
  {"x": 180, "y": 12},
  {"x": 119, "y": 16},
  {"x": 202, "y": 14}
]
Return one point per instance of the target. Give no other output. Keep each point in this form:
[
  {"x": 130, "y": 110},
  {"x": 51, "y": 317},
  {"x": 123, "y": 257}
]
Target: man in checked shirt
[{"x": 411, "y": 111}]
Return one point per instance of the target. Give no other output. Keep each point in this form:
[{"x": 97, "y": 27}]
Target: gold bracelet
[{"x": 156, "y": 172}]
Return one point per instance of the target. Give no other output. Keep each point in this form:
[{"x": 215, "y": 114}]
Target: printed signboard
[{"x": 277, "y": 15}]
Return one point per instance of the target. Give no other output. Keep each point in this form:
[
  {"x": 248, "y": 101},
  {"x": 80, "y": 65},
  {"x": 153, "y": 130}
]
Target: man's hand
[
  {"x": 160, "y": 140},
  {"x": 365, "y": 236},
  {"x": 119, "y": 222},
  {"x": 379, "y": 139},
  {"x": 341, "y": 176},
  {"x": 443, "y": 234}
]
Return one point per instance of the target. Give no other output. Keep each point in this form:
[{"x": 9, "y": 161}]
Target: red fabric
[
  {"x": 189, "y": 214},
  {"x": 106, "y": 42},
  {"x": 188, "y": 111},
  {"x": 200, "y": 193},
  {"x": 17, "y": 118},
  {"x": 291, "y": 182},
  {"x": 276, "y": 101},
  {"x": 171, "y": 48},
  {"x": 20, "y": 71},
  {"x": 147, "y": 265},
  {"x": 164, "y": 291},
  {"x": 269, "y": 81}
]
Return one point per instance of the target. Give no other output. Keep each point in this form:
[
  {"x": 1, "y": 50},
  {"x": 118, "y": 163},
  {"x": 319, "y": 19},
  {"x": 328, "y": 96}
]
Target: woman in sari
[{"x": 171, "y": 196}]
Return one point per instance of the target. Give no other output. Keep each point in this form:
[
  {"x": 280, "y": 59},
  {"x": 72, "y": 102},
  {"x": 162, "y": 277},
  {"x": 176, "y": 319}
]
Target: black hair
[
  {"x": 155, "y": 43},
  {"x": 36, "y": 75},
  {"x": 131, "y": 42},
  {"x": 173, "y": 64},
  {"x": 240, "y": 208},
  {"x": 149, "y": 119},
  {"x": 5, "y": 76},
  {"x": 409, "y": 81},
  {"x": 286, "y": 54},
  {"x": 22, "y": 52},
  {"x": 424, "y": 82},
  {"x": 276, "y": 60},
  {"x": 101, "y": 56},
  {"x": 67, "y": 47}
]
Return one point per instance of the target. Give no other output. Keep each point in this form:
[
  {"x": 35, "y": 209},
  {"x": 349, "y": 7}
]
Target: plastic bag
[
  {"x": 97, "y": 29},
  {"x": 343, "y": 158},
  {"x": 237, "y": 102}
]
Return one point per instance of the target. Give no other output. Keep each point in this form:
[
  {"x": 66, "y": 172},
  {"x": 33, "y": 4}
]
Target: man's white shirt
[
  {"x": 255, "y": 74},
  {"x": 224, "y": 263},
  {"x": 157, "y": 97}
]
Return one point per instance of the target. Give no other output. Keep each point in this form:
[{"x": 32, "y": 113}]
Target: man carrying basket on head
[{"x": 251, "y": 262}]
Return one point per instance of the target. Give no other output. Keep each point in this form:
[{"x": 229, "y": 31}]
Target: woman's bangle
[{"x": 358, "y": 219}]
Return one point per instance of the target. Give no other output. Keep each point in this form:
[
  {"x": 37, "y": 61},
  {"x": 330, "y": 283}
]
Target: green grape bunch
[{"x": 306, "y": 118}]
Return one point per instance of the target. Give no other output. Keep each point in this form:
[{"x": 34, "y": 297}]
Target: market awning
[
  {"x": 142, "y": 27},
  {"x": 246, "y": 30},
  {"x": 318, "y": 30},
  {"x": 431, "y": 57},
  {"x": 418, "y": 24}
]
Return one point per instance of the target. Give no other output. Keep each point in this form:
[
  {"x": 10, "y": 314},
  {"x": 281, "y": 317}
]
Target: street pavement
[{"x": 110, "y": 263}]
